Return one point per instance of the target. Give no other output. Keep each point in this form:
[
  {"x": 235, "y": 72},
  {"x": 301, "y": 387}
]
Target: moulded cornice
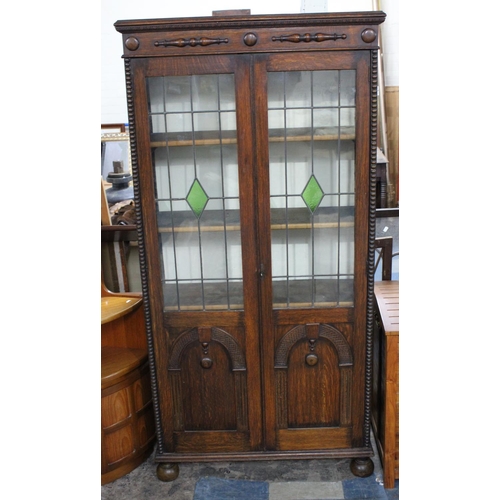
[{"x": 249, "y": 21}]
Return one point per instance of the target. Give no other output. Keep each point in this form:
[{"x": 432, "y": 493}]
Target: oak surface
[{"x": 262, "y": 376}]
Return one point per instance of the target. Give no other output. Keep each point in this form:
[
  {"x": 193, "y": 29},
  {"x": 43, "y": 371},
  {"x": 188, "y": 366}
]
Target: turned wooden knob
[
  {"x": 206, "y": 362},
  {"x": 250, "y": 39},
  {"x": 368, "y": 35},
  {"x": 132, "y": 43},
  {"x": 311, "y": 359}
]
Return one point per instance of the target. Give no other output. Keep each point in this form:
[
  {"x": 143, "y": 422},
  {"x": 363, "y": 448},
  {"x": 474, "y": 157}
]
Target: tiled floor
[{"x": 262, "y": 480}]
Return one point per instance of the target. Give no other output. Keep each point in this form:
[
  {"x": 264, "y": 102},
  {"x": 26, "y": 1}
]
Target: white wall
[
  {"x": 390, "y": 42},
  {"x": 113, "y": 94}
]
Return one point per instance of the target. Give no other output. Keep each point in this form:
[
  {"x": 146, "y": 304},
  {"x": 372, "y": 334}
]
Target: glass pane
[
  {"x": 311, "y": 169},
  {"x": 194, "y": 150},
  {"x": 276, "y": 121},
  {"x": 226, "y": 93},
  {"x": 277, "y": 171},
  {"x": 325, "y": 122},
  {"x": 205, "y": 121},
  {"x": 325, "y": 88},
  {"x": 298, "y": 89},
  {"x": 177, "y": 94},
  {"x": 347, "y": 88},
  {"x": 298, "y": 122},
  {"x": 205, "y": 92},
  {"x": 276, "y": 90}
]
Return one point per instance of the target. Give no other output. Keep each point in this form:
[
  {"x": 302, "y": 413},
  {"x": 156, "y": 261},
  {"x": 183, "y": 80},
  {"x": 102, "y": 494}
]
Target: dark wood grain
[{"x": 218, "y": 390}]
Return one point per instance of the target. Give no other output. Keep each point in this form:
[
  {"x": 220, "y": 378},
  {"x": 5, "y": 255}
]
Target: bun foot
[
  {"x": 167, "y": 472},
  {"x": 362, "y": 467}
]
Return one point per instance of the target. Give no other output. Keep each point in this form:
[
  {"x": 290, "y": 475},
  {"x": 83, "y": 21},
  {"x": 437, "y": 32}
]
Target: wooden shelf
[
  {"x": 328, "y": 293},
  {"x": 226, "y": 137},
  {"x": 298, "y": 218},
  {"x": 319, "y": 134},
  {"x": 119, "y": 233},
  {"x": 205, "y": 138}
]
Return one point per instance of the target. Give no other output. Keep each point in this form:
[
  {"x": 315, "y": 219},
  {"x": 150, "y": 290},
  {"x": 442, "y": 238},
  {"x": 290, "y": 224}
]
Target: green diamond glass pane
[
  {"x": 312, "y": 194},
  {"x": 197, "y": 198}
]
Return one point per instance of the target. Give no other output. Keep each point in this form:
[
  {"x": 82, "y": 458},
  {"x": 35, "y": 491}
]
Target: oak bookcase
[{"x": 253, "y": 146}]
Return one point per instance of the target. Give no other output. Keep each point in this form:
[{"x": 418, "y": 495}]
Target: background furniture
[
  {"x": 385, "y": 402},
  {"x": 253, "y": 144},
  {"x": 127, "y": 420},
  {"x": 382, "y": 178}
]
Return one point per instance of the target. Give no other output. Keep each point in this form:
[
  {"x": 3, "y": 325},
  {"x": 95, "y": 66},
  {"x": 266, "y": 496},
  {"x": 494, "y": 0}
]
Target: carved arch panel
[
  {"x": 313, "y": 365},
  {"x": 208, "y": 380}
]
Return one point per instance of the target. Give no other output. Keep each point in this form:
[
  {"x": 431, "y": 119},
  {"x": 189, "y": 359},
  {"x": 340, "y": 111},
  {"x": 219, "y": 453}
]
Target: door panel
[
  {"x": 207, "y": 360},
  {"x": 316, "y": 175}
]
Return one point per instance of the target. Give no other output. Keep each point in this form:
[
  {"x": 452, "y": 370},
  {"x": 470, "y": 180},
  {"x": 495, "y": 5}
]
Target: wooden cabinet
[
  {"x": 385, "y": 403},
  {"x": 254, "y": 162},
  {"x": 127, "y": 414}
]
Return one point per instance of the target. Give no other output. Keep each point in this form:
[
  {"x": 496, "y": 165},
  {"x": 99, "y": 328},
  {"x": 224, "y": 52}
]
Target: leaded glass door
[
  {"x": 313, "y": 275},
  {"x": 203, "y": 266}
]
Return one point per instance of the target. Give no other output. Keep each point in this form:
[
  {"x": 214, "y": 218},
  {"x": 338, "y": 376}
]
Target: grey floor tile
[
  {"x": 297, "y": 490},
  {"x": 213, "y": 488}
]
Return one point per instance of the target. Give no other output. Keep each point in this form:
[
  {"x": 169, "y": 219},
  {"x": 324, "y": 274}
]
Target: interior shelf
[
  {"x": 217, "y": 137},
  {"x": 295, "y": 293},
  {"x": 298, "y": 218}
]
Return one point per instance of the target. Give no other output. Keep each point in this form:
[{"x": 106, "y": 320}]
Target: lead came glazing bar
[
  {"x": 196, "y": 176},
  {"x": 339, "y": 149},
  {"x": 223, "y": 194},
  {"x": 315, "y": 186}
]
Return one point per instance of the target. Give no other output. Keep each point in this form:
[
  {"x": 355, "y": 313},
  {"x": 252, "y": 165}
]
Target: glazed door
[
  {"x": 313, "y": 184},
  {"x": 198, "y": 215}
]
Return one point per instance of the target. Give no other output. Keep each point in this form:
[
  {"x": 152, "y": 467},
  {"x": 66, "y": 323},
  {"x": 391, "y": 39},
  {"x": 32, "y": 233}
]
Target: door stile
[
  {"x": 264, "y": 254},
  {"x": 250, "y": 248},
  {"x": 146, "y": 231},
  {"x": 361, "y": 244}
]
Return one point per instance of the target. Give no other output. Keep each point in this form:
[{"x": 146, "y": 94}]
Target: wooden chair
[
  {"x": 385, "y": 396},
  {"x": 127, "y": 420}
]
